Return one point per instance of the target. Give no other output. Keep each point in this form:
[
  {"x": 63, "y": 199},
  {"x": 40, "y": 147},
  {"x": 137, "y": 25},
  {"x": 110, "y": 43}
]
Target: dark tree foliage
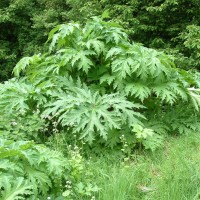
[
  {"x": 24, "y": 26},
  {"x": 159, "y": 24},
  {"x": 169, "y": 25}
]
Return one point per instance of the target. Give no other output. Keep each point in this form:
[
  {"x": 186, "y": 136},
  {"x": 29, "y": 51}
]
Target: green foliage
[
  {"x": 106, "y": 64},
  {"x": 80, "y": 108},
  {"x": 93, "y": 88},
  {"x": 20, "y": 117},
  {"x": 25, "y": 25},
  {"x": 97, "y": 84},
  {"x": 171, "y": 172},
  {"x": 191, "y": 41},
  {"x": 31, "y": 171},
  {"x": 156, "y": 24},
  {"x": 88, "y": 113},
  {"x": 147, "y": 137},
  {"x": 28, "y": 169},
  {"x": 23, "y": 126}
]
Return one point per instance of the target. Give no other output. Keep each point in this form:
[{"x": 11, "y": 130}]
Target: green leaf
[
  {"x": 16, "y": 190},
  {"x": 21, "y": 65},
  {"x": 195, "y": 97},
  {"x": 105, "y": 14},
  {"x": 86, "y": 112},
  {"x": 139, "y": 90}
]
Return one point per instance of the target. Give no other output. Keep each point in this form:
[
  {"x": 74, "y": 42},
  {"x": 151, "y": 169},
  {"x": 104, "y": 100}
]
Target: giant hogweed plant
[
  {"x": 95, "y": 83},
  {"x": 31, "y": 171}
]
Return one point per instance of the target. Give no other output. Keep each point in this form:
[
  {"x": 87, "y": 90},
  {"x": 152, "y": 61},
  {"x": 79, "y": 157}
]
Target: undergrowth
[
  {"x": 171, "y": 173},
  {"x": 95, "y": 93}
]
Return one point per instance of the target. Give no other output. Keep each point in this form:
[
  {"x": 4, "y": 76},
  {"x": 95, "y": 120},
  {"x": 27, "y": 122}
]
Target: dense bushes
[
  {"x": 24, "y": 27},
  {"x": 169, "y": 25},
  {"x": 97, "y": 84},
  {"x": 31, "y": 171},
  {"x": 157, "y": 24},
  {"x": 93, "y": 89}
]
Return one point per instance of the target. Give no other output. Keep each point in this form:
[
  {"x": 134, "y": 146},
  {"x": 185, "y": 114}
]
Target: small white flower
[
  {"x": 55, "y": 123},
  {"x": 14, "y": 123},
  {"x": 55, "y": 130},
  {"x": 49, "y": 117},
  {"x": 22, "y": 111}
]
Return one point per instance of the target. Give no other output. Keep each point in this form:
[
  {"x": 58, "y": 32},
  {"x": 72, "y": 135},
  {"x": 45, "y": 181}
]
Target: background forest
[
  {"x": 170, "y": 25},
  {"x": 99, "y": 99}
]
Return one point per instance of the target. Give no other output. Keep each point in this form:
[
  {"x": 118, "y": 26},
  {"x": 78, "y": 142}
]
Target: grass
[{"x": 172, "y": 173}]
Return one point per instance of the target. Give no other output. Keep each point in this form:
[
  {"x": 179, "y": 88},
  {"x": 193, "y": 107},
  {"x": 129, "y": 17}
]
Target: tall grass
[{"x": 172, "y": 173}]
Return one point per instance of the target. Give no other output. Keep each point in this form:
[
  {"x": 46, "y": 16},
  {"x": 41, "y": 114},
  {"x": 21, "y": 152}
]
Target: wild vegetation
[
  {"x": 94, "y": 98},
  {"x": 168, "y": 25}
]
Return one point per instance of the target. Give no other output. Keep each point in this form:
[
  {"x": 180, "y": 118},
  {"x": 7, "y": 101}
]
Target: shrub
[
  {"x": 31, "y": 171},
  {"x": 97, "y": 84}
]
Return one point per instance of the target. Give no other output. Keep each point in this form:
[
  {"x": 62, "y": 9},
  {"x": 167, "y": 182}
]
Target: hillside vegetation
[{"x": 99, "y": 111}]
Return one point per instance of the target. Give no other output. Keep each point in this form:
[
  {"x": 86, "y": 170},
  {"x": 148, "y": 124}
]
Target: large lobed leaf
[{"x": 87, "y": 112}]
